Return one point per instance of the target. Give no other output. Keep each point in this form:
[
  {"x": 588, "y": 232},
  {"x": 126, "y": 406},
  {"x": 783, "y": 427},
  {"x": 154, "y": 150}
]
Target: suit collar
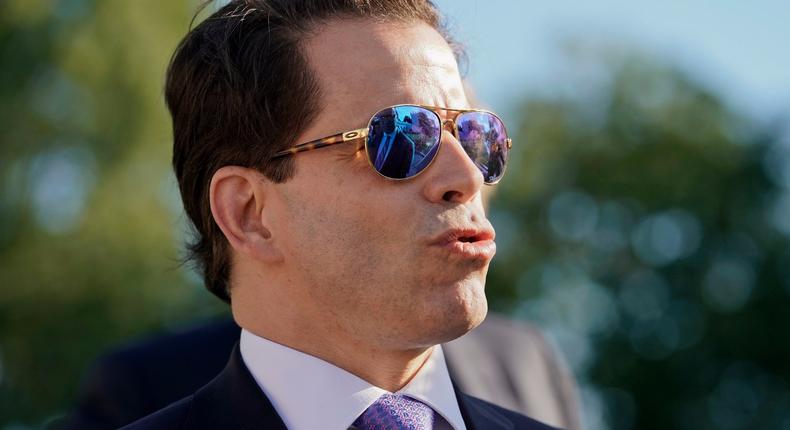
[
  {"x": 234, "y": 400},
  {"x": 480, "y": 415}
]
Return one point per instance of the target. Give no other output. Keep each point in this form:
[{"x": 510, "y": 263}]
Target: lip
[{"x": 468, "y": 243}]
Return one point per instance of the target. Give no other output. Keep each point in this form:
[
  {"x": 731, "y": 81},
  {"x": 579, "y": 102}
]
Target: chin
[
  {"x": 471, "y": 311},
  {"x": 455, "y": 316}
]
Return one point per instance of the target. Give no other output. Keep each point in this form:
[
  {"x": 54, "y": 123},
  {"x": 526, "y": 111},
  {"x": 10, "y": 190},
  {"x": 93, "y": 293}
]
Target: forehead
[{"x": 363, "y": 65}]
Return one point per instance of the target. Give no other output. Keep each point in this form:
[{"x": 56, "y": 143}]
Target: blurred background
[{"x": 644, "y": 222}]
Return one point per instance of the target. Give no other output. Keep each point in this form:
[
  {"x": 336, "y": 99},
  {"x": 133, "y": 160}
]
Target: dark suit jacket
[
  {"x": 233, "y": 400},
  {"x": 501, "y": 361},
  {"x": 398, "y": 161},
  {"x": 496, "y": 160}
]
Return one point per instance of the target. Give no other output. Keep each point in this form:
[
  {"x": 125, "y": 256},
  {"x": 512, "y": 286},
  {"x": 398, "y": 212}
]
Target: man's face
[
  {"x": 363, "y": 249},
  {"x": 388, "y": 120}
]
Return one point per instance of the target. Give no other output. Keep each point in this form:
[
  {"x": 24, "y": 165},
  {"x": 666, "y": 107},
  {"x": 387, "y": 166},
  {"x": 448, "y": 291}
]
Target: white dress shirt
[{"x": 309, "y": 393}]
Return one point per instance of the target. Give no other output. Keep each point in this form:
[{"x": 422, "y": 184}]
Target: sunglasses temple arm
[{"x": 324, "y": 141}]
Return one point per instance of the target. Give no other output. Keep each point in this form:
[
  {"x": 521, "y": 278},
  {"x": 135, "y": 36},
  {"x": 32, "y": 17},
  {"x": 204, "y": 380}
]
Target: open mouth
[
  {"x": 468, "y": 243},
  {"x": 470, "y": 236}
]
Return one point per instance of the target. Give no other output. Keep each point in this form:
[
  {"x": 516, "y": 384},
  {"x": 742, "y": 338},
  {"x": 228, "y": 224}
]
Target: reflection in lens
[
  {"x": 403, "y": 140},
  {"x": 483, "y": 137}
]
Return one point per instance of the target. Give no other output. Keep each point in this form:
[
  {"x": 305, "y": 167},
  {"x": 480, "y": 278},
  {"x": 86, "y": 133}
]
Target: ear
[{"x": 238, "y": 204}]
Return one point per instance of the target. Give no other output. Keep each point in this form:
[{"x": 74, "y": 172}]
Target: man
[
  {"x": 495, "y": 161},
  {"x": 503, "y": 361},
  {"x": 340, "y": 318},
  {"x": 394, "y": 150}
]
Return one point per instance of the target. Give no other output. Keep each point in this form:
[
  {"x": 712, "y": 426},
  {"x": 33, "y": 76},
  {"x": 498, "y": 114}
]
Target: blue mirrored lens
[
  {"x": 483, "y": 137},
  {"x": 403, "y": 140}
]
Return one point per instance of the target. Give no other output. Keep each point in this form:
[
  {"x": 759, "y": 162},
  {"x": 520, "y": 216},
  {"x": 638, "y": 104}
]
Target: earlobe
[{"x": 237, "y": 197}]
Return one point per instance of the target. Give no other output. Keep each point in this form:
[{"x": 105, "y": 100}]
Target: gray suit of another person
[
  {"x": 502, "y": 361},
  {"x": 510, "y": 363}
]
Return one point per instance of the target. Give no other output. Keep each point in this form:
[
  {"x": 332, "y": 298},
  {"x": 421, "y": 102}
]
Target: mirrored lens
[
  {"x": 484, "y": 139},
  {"x": 403, "y": 140}
]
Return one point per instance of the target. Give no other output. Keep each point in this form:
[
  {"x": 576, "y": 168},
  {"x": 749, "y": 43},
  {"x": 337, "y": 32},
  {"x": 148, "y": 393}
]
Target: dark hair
[{"x": 239, "y": 89}]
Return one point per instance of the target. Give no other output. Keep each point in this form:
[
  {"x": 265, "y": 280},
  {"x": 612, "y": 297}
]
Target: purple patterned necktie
[{"x": 396, "y": 412}]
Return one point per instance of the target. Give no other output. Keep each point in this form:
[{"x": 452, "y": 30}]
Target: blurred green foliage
[
  {"x": 646, "y": 228},
  {"x": 89, "y": 218},
  {"x": 642, "y": 223}
]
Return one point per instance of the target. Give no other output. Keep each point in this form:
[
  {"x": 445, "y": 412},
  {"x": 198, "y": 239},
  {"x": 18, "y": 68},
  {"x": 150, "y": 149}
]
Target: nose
[{"x": 452, "y": 177}]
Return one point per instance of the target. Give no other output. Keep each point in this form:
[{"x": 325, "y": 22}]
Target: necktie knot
[{"x": 396, "y": 412}]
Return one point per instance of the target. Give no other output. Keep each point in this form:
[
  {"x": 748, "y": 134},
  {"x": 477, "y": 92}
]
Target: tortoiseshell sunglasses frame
[{"x": 362, "y": 133}]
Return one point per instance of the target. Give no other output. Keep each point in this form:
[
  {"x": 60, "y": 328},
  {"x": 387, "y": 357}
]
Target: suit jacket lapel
[
  {"x": 233, "y": 400},
  {"x": 478, "y": 415}
]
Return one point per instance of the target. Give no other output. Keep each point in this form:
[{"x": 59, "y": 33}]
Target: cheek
[{"x": 349, "y": 238}]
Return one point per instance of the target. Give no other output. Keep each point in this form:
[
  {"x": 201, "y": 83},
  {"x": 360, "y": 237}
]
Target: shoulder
[
  {"x": 504, "y": 418},
  {"x": 172, "y": 417},
  {"x": 204, "y": 336},
  {"x": 404, "y": 137},
  {"x": 511, "y": 345},
  {"x": 508, "y": 344},
  {"x": 510, "y": 328},
  {"x": 143, "y": 376},
  {"x": 150, "y": 354},
  {"x": 512, "y": 364}
]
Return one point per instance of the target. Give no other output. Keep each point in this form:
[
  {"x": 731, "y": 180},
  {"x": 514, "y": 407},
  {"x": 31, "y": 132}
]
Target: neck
[{"x": 388, "y": 368}]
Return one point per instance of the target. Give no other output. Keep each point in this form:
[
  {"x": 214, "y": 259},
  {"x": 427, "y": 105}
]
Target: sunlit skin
[{"x": 339, "y": 262}]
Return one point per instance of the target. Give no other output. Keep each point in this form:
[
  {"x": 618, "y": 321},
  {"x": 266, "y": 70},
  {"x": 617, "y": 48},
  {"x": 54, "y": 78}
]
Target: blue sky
[{"x": 739, "y": 49}]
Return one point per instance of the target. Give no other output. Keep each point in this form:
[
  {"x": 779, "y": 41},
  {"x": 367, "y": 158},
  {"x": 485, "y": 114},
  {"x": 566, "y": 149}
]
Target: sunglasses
[{"x": 401, "y": 141}]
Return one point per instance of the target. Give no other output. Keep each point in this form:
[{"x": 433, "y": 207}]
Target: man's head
[
  {"x": 320, "y": 235},
  {"x": 387, "y": 120}
]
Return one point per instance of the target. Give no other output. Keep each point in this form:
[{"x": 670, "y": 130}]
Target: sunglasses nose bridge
[{"x": 449, "y": 125}]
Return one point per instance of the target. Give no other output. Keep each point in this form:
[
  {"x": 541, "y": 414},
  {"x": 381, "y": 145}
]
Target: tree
[
  {"x": 646, "y": 229},
  {"x": 90, "y": 223}
]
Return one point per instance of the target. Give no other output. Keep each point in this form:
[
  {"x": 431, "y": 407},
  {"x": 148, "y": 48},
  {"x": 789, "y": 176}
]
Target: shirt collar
[{"x": 296, "y": 382}]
